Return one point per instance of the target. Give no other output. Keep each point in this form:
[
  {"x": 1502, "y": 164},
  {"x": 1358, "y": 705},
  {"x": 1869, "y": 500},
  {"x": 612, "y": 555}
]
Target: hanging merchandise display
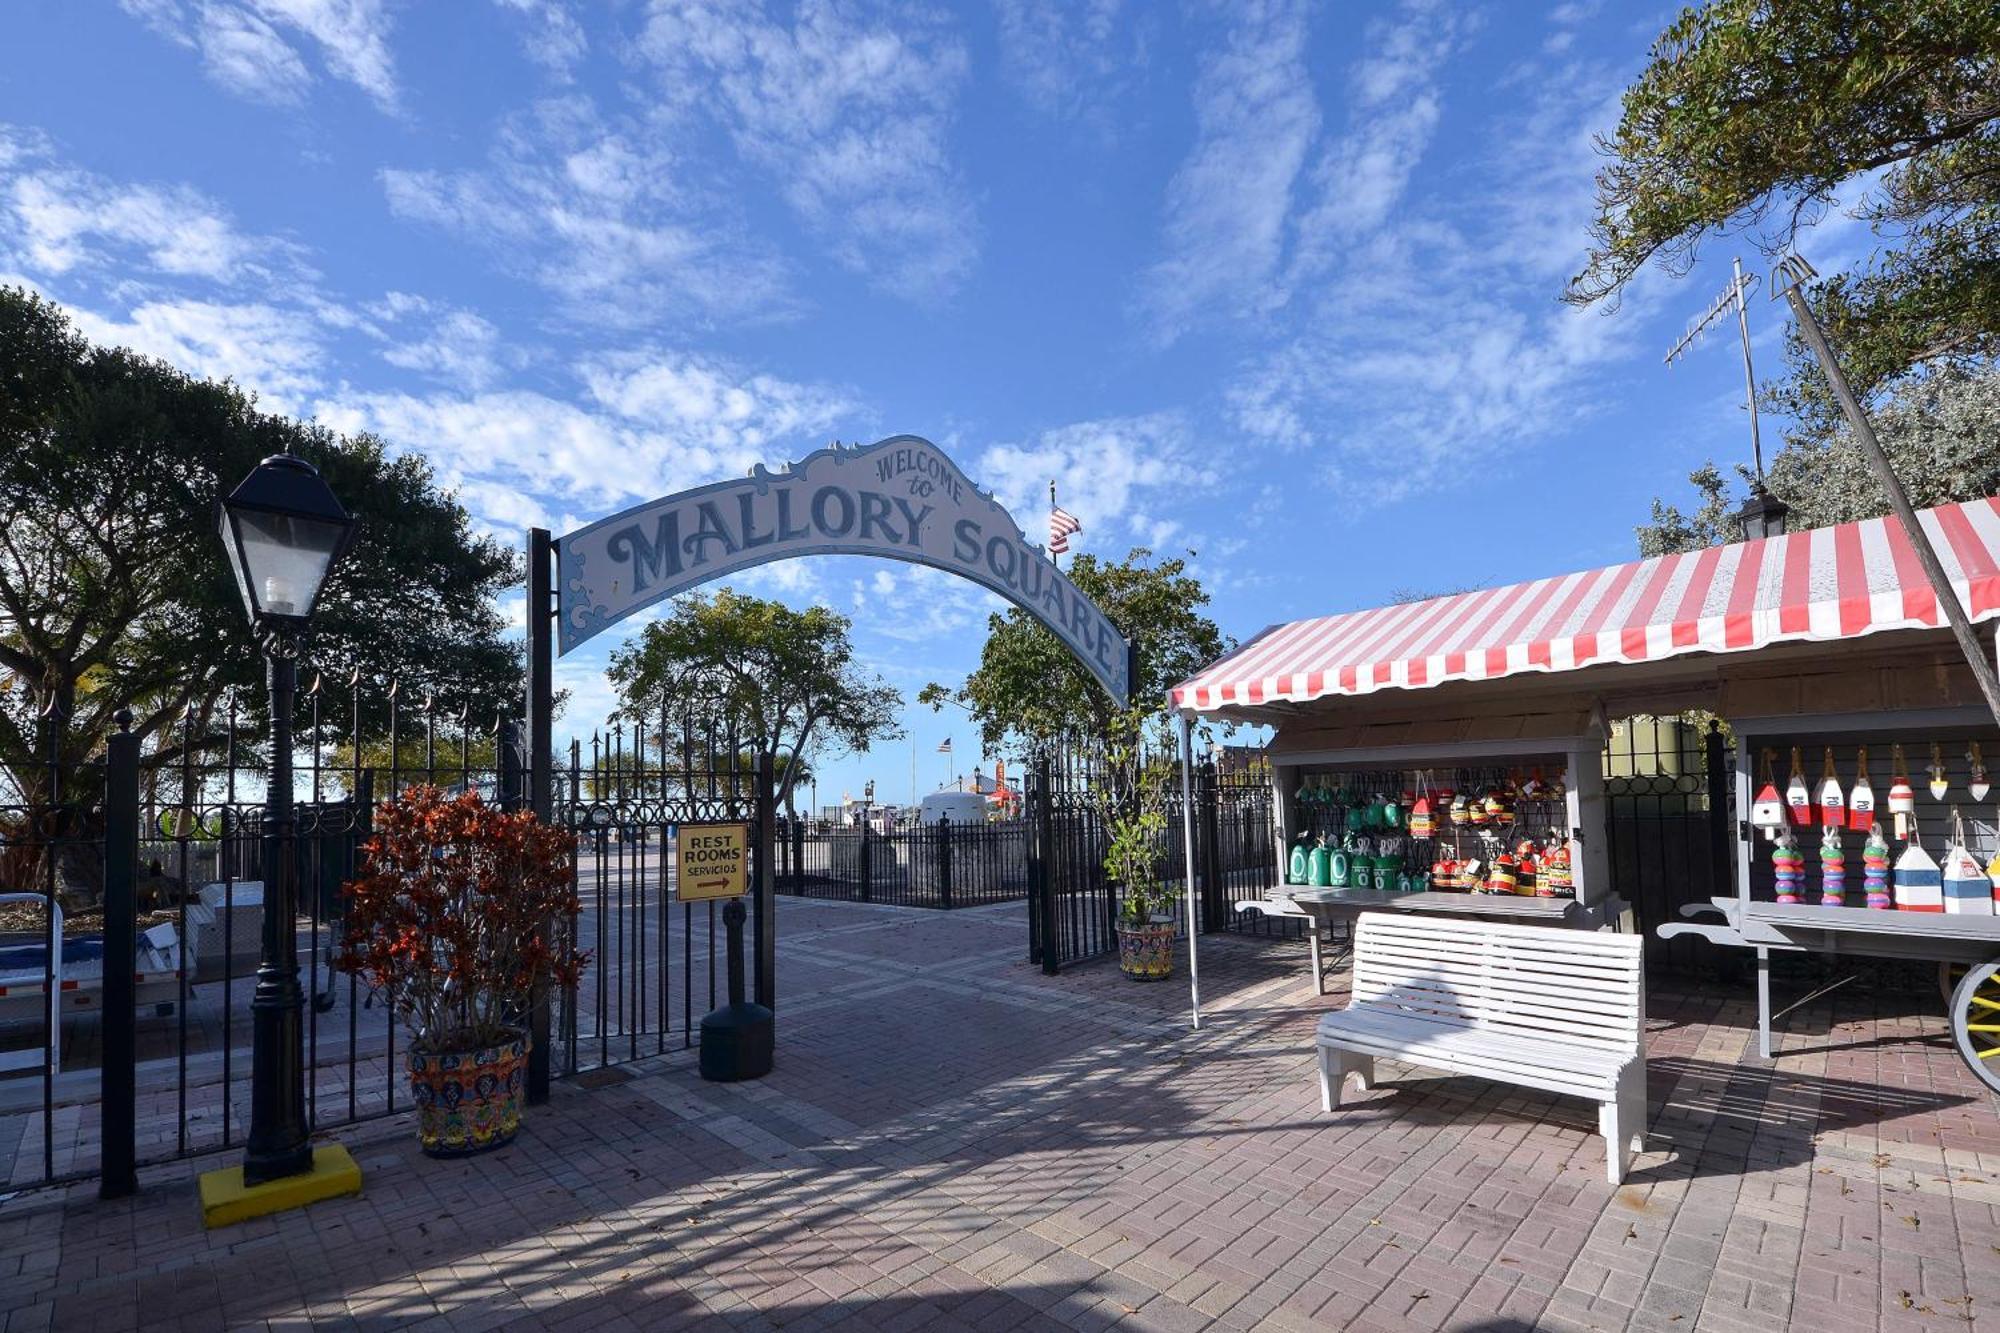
[
  {"x": 1902, "y": 800},
  {"x": 1861, "y": 797},
  {"x": 1963, "y": 884},
  {"x": 1979, "y": 786},
  {"x": 1788, "y": 865},
  {"x": 1940, "y": 776},
  {"x": 1875, "y": 871},
  {"x": 1832, "y": 803},
  {"x": 1422, "y": 824},
  {"x": 1557, "y": 879},
  {"x": 1798, "y": 801},
  {"x": 1918, "y": 884},
  {"x": 1768, "y": 811},
  {"x": 1832, "y": 869},
  {"x": 1461, "y": 811}
]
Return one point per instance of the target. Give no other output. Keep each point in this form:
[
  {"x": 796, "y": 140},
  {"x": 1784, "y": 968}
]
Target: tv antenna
[{"x": 1731, "y": 298}]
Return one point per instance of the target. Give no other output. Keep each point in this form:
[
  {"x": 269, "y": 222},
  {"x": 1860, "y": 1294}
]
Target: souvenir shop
[{"x": 1455, "y": 746}]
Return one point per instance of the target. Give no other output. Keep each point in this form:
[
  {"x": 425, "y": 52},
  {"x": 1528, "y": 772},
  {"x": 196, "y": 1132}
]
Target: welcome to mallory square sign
[{"x": 899, "y": 498}]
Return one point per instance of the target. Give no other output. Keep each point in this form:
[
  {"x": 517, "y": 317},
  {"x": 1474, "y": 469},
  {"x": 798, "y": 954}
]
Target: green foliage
[
  {"x": 1753, "y": 114},
  {"x": 1131, "y": 801},
  {"x": 114, "y": 590},
  {"x": 1938, "y": 430},
  {"x": 788, "y": 677},
  {"x": 1029, "y": 687}
]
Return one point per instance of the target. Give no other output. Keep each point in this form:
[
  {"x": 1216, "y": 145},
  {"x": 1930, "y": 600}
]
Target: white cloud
[
  {"x": 551, "y": 37},
  {"x": 707, "y": 401},
  {"x": 1070, "y": 59},
  {"x": 1395, "y": 107},
  {"x": 1229, "y": 204},
  {"x": 661, "y": 424},
  {"x": 1104, "y": 471},
  {"x": 273, "y": 352},
  {"x": 65, "y": 219},
  {"x": 850, "y": 116},
  {"x": 244, "y": 51},
  {"x": 455, "y": 346},
  {"x": 605, "y": 216}
]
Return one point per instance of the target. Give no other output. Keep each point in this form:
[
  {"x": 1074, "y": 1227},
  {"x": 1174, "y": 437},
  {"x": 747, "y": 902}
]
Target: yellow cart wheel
[{"x": 1975, "y": 1021}]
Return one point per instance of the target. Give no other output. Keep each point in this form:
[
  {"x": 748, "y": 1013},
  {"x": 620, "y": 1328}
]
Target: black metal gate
[
  {"x": 656, "y": 962},
  {"x": 1073, "y": 902},
  {"x": 1667, "y": 817}
]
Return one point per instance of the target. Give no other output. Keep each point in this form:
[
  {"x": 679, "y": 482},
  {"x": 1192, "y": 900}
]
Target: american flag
[
  {"x": 1061, "y": 524},
  {"x": 946, "y": 747}
]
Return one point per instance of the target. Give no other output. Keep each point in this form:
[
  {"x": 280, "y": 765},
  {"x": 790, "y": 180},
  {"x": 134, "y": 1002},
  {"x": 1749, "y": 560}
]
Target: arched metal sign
[{"x": 900, "y": 498}]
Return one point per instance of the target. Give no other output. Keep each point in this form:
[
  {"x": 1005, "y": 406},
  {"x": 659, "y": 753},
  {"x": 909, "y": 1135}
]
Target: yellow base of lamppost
[{"x": 226, "y": 1200}]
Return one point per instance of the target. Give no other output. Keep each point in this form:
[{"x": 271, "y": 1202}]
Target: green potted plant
[
  {"x": 452, "y": 920},
  {"x": 1132, "y": 805}
]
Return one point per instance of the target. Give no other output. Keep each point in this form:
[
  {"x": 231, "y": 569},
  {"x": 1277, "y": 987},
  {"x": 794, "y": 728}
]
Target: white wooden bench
[{"x": 1537, "y": 1006}]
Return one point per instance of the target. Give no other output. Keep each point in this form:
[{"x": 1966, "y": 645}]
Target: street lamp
[
  {"x": 283, "y": 530},
  {"x": 1762, "y": 515}
]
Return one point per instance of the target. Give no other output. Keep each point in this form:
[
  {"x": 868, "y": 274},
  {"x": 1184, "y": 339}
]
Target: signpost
[{"x": 712, "y": 861}]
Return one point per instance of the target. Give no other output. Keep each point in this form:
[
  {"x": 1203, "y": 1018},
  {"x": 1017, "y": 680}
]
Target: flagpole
[{"x": 1054, "y": 558}]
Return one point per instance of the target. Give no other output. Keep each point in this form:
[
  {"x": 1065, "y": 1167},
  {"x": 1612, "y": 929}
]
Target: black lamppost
[
  {"x": 1763, "y": 514},
  {"x": 283, "y": 530}
]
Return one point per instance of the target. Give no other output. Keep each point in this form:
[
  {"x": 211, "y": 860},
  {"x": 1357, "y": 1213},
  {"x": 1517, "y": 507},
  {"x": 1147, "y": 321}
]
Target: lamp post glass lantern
[
  {"x": 284, "y": 530},
  {"x": 1762, "y": 515}
]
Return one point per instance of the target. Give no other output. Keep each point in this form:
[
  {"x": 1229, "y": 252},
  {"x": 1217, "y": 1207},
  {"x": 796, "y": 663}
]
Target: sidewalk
[{"x": 952, "y": 1140}]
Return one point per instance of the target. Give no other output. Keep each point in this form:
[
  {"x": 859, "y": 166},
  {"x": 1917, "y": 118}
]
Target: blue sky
[{"x": 1272, "y": 282}]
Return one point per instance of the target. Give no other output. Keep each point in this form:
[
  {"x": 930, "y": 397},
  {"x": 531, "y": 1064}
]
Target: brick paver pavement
[{"x": 953, "y": 1141}]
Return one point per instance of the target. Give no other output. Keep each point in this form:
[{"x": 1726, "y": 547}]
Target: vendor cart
[
  {"x": 1965, "y": 946},
  {"x": 1830, "y": 637}
]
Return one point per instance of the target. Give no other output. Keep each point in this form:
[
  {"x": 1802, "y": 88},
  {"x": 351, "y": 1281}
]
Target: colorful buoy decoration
[
  {"x": 1832, "y": 869},
  {"x": 1798, "y": 800},
  {"x": 1788, "y": 866},
  {"x": 1861, "y": 797},
  {"x": 1875, "y": 871},
  {"x": 1940, "y": 776},
  {"x": 1832, "y": 802},
  {"x": 1919, "y": 886}
]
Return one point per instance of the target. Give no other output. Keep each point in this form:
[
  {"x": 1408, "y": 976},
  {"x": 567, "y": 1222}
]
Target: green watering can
[
  {"x": 1387, "y": 870},
  {"x": 1341, "y": 868},
  {"x": 1296, "y": 874},
  {"x": 1319, "y": 867}
]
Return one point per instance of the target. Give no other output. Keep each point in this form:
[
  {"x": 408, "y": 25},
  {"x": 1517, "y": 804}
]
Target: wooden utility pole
[{"x": 1789, "y": 282}]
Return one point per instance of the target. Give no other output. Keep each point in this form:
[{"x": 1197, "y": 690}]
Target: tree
[
  {"x": 114, "y": 590},
  {"x": 1030, "y": 688},
  {"x": 788, "y": 677},
  {"x": 1753, "y": 115},
  {"x": 1938, "y": 431}
]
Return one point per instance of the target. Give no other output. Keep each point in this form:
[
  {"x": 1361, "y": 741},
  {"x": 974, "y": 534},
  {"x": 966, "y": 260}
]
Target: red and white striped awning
[{"x": 1828, "y": 583}]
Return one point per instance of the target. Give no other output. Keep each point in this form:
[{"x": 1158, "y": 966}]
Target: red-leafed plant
[{"x": 452, "y": 914}]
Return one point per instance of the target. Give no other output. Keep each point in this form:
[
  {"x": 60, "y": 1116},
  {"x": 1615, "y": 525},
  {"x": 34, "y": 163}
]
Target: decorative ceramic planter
[
  {"x": 1146, "y": 953},
  {"x": 469, "y": 1101}
]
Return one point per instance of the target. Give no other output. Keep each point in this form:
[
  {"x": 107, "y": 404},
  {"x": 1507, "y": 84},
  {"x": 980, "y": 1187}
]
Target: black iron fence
[
  {"x": 132, "y": 914},
  {"x": 1074, "y": 901}
]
